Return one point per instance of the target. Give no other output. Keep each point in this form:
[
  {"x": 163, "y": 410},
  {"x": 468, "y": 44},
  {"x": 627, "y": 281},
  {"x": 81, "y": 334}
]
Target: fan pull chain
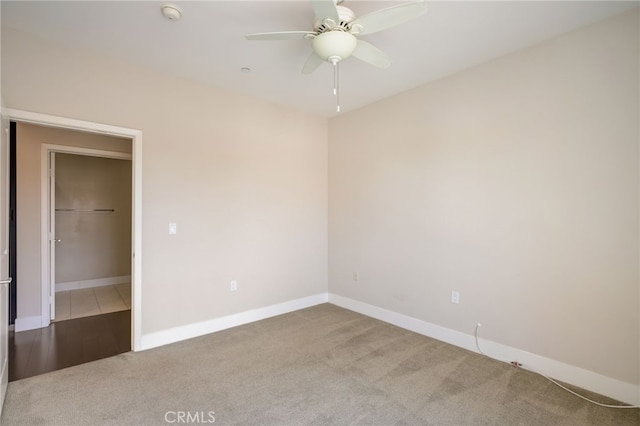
[
  {"x": 336, "y": 85},
  {"x": 335, "y": 78}
]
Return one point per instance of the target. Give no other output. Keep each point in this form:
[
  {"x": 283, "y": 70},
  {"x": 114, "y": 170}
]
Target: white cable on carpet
[{"x": 517, "y": 364}]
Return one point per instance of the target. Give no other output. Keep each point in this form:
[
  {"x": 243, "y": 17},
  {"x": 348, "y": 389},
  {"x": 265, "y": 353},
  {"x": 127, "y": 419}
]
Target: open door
[{"x": 5, "y": 280}]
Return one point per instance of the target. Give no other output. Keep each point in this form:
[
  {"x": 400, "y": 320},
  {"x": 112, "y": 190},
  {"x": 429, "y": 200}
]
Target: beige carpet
[{"x": 318, "y": 366}]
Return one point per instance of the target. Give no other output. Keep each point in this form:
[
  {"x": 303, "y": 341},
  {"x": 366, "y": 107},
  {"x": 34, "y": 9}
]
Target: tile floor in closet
[{"x": 86, "y": 302}]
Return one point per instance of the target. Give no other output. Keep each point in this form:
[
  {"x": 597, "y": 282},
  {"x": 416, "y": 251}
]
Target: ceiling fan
[{"x": 335, "y": 32}]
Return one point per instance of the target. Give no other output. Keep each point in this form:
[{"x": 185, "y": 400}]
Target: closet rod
[{"x": 86, "y": 210}]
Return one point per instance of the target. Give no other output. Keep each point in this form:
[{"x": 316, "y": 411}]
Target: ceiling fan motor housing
[{"x": 345, "y": 15}]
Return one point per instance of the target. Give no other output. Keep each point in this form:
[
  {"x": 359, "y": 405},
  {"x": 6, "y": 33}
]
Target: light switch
[{"x": 173, "y": 229}]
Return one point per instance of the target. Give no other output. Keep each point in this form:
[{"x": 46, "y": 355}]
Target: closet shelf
[{"x": 87, "y": 210}]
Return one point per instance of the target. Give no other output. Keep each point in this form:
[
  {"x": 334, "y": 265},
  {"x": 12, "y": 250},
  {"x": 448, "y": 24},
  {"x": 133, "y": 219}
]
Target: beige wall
[
  {"x": 245, "y": 181},
  {"x": 515, "y": 183},
  {"x": 28, "y": 203},
  {"x": 92, "y": 244}
]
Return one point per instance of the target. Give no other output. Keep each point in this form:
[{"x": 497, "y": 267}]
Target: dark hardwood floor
[{"x": 67, "y": 343}]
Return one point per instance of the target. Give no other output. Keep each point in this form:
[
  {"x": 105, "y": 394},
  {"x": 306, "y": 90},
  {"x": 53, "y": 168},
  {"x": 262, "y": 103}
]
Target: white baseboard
[
  {"x": 28, "y": 323},
  {"x": 98, "y": 282},
  {"x": 176, "y": 334},
  {"x": 613, "y": 388}
]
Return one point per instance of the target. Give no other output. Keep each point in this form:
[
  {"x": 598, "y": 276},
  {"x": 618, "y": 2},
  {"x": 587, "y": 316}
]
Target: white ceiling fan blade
[
  {"x": 280, "y": 35},
  {"x": 370, "y": 54},
  {"x": 389, "y": 17},
  {"x": 325, "y": 9},
  {"x": 312, "y": 63}
]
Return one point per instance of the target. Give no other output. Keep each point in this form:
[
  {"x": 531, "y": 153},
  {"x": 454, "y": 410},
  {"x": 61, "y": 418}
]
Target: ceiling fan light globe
[{"x": 334, "y": 43}]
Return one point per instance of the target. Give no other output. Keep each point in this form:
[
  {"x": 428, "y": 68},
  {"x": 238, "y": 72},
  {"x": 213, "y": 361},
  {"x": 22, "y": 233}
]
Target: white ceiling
[{"x": 208, "y": 43}]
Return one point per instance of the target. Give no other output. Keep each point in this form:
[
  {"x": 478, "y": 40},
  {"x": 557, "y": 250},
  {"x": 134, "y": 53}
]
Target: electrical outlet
[
  {"x": 455, "y": 297},
  {"x": 355, "y": 276},
  {"x": 234, "y": 285}
]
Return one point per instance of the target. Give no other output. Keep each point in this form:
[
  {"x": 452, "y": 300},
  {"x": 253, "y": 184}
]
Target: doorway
[
  {"x": 88, "y": 228},
  {"x": 96, "y": 250},
  {"x": 90, "y": 211},
  {"x": 42, "y": 316}
]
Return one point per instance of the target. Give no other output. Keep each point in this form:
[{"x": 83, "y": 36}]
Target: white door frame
[
  {"x": 136, "y": 226},
  {"x": 48, "y": 212},
  {"x": 48, "y": 217},
  {"x": 5, "y": 280}
]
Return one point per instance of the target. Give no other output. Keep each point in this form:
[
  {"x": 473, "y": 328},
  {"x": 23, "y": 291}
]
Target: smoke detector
[{"x": 171, "y": 12}]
